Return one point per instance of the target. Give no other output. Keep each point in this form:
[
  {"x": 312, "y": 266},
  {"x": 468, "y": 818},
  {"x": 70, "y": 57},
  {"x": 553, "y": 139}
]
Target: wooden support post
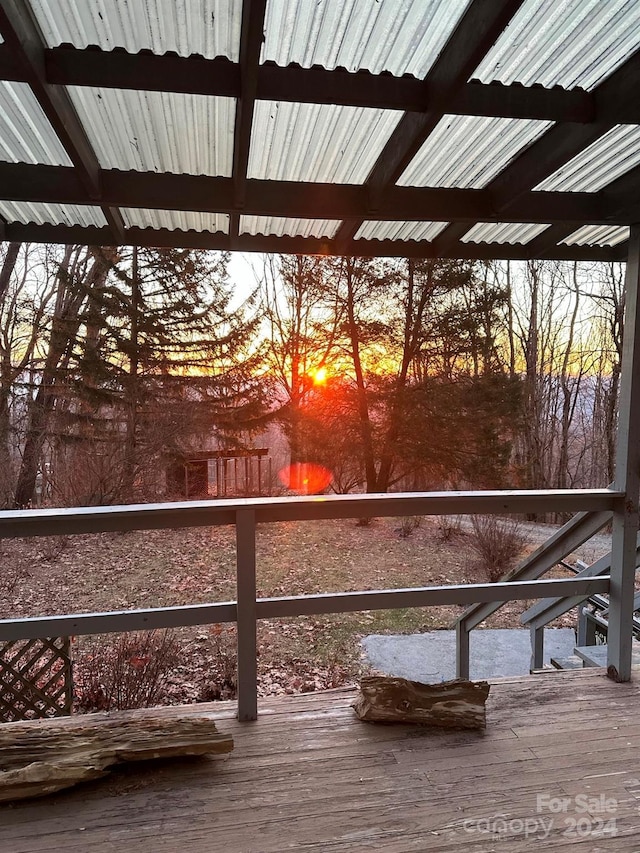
[
  {"x": 537, "y": 647},
  {"x": 625, "y": 516},
  {"x": 246, "y": 589},
  {"x": 462, "y": 650},
  {"x": 586, "y": 635}
]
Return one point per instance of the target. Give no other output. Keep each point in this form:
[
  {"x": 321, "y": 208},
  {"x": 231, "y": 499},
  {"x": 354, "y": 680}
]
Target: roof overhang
[{"x": 109, "y": 146}]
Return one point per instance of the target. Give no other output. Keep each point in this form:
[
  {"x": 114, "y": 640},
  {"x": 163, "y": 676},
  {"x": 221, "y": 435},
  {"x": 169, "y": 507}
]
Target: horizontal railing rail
[
  {"x": 108, "y": 519},
  {"x": 35, "y": 627},
  {"x": 248, "y": 608}
]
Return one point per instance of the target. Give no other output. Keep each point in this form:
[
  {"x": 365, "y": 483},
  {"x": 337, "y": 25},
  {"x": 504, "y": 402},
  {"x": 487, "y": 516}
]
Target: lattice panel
[{"x": 35, "y": 679}]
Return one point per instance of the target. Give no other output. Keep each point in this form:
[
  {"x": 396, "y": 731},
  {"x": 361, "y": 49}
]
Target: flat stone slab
[
  {"x": 431, "y": 657},
  {"x": 597, "y": 655}
]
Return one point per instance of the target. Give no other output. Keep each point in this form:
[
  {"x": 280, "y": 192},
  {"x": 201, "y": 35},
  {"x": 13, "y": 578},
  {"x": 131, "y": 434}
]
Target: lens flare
[{"x": 305, "y": 478}]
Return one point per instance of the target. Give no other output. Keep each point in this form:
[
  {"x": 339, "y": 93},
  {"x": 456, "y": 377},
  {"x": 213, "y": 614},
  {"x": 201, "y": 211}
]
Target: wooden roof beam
[
  {"x": 117, "y": 69},
  {"x": 251, "y": 38},
  {"x": 51, "y": 184},
  {"x": 291, "y": 245}
]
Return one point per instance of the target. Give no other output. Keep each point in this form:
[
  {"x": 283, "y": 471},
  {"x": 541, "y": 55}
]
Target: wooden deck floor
[{"x": 308, "y": 776}]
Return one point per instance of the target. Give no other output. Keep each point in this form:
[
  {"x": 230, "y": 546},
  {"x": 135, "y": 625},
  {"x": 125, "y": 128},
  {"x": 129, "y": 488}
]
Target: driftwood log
[
  {"x": 455, "y": 704},
  {"x": 42, "y": 756}
]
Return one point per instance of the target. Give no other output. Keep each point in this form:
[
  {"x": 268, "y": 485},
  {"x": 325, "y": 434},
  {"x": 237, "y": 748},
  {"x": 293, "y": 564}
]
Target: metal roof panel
[
  {"x": 281, "y": 226},
  {"x": 54, "y": 214},
  {"x": 207, "y": 27},
  {"x": 598, "y": 235},
  {"x": 158, "y": 131},
  {"x": 567, "y": 43},
  {"x": 606, "y": 159},
  {"x": 317, "y": 142},
  {"x": 503, "y": 232},
  {"x": 381, "y": 230},
  {"x": 26, "y": 136},
  {"x": 175, "y": 220},
  {"x": 399, "y": 36},
  {"x": 468, "y": 151}
]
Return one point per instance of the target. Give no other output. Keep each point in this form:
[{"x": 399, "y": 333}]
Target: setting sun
[{"x": 319, "y": 376}]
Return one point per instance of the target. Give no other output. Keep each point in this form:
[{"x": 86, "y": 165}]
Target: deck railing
[{"x": 246, "y": 515}]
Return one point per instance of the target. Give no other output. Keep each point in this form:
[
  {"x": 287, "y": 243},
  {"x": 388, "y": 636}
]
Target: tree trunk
[
  {"x": 6, "y": 377},
  {"x": 130, "y": 459},
  {"x": 366, "y": 430},
  {"x": 64, "y": 330}
]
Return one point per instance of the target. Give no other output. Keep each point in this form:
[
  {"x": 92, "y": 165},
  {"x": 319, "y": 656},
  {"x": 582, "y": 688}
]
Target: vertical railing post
[
  {"x": 246, "y": 596},
  {"x": 537, "y": 647},
  {"x": 462, "y": 650},
  {"x": 625, "y": 516}
]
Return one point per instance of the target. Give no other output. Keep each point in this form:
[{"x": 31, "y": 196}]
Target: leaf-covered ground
[{"x": 172, "y": 567}]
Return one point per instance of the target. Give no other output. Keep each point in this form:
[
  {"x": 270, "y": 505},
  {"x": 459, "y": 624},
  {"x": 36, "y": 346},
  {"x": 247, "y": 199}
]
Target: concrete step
[{"x": 569, "y": 662}]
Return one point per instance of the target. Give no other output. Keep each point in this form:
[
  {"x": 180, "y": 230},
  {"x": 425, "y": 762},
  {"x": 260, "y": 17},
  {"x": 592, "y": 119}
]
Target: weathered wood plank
[
  {"x": 43, "y": 756},
  {"x": 295, "y": 780}
]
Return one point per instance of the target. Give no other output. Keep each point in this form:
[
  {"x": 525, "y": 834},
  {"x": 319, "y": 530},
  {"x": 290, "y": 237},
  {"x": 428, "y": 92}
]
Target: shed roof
[{"x": 451, "y": 128}]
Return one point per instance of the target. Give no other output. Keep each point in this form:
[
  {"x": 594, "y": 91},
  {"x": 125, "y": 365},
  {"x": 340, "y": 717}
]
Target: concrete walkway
[{"x": 431, "y": 657}]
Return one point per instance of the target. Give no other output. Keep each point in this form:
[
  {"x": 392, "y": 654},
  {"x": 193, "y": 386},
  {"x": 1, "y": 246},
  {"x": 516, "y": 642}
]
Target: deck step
[
  {"x": 597, "y": 655},
  {"x": 569, "y": 662}
]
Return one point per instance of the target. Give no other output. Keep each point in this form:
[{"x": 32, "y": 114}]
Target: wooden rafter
[
  {"x": 556, "y": 147},
  {"x": 299, "y": 245},
  {"x": 117, "y": 69},
  {"x": 251, "y": 37},
  {"x": 478, "y": 29},
  {"x": 35, "y": 183}
]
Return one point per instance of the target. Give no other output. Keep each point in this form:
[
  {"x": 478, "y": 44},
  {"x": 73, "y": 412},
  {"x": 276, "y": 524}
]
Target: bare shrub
[
  {"x": 449, "y": 526},
  {"x": 51, "y": 547},
  {"x": 129, "y": 672},
  {"x": 498, "y": 542},
  {"x": 10, "y": 576},
  {"x": 221, "y": 681},
  {"x": 408, "y": 524}
]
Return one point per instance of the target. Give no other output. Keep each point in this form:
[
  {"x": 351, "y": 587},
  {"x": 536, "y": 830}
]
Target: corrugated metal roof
[
  {"x": 400, "y": 36},
  {"x": 317, "y": 142},
  {"x": 564, "y": 43},
  {"x": 602, "y": 162},
  {"x": 280, "y": 227},
  {"x": 25, "y": 133},
  {"x": 175, "y": 220},
  {"x": 54, "y": 214},
  {"x": 503, "y": 232},
  {"x": 207, "y": 27},
  {"x": 598, "y": 235},
  {"x": 158, "y": 131},
  {"x": 380, "y": 230},
  {"x": 468, "y": 151}
]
